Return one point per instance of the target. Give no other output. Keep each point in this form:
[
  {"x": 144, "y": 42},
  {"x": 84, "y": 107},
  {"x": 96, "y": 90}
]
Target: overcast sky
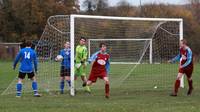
[{"x": 137, "y": 2}]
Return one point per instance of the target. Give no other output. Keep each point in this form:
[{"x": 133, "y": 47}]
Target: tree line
[{"x": 21, "y": 19}]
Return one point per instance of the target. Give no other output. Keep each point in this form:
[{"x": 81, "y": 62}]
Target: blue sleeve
[
  {"x": 108, "y": 66},
  {"x": 93, "y": 57},
  {"x": 177, "y": 58},
  {"x": 17, "y": 59},
  {"x": 35, "y": 61},
  {"x": 189, "y": 58}
]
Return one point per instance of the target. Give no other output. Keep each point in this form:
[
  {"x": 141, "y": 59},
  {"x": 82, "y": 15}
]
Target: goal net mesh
[{"x": 134, "y": 70}]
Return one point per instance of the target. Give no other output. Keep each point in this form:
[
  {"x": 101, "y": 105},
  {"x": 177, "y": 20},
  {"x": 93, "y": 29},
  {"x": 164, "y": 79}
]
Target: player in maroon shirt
[
  {"x": 100, "y": 68},
  {"x": 185, "y": 67}
]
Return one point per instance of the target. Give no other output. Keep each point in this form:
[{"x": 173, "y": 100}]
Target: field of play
[{"x": 136, "y": 93}]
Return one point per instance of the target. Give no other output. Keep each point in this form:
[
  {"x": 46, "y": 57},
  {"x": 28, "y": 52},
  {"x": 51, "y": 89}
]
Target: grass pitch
[{"x": 135, "y": 94}]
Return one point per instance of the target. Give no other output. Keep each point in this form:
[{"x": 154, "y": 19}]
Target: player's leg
[
  {"x": 34, "y": 84},
  {"x": 84, "y": 79},
  {"x": 189, "y": 79},
  {"x": 67, "y": 77},
  {"x": 177, "y": 84},
  {"x": 107, "y": 87},
  {"x": 92, "y": 79},
  {"x": 21, "y": 76},
  {"x": 87, "y": 86},
  {"x": 83, "y": 75},
  {"x": 62, "y": 84},
  {"x": 190, "y": 83}
]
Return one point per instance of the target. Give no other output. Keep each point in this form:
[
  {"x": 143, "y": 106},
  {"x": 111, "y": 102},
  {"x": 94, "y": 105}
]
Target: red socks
[
  {"x": 107, "y": 89},
  {"x": 176, "y": 86},
  {"x": 190, "y": 84}
]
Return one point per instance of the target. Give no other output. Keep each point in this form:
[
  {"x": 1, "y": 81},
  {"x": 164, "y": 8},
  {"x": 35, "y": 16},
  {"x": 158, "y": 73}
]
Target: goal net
[
  {"x": 139, "y": 50},
  {"x": 117, "y": 48}
]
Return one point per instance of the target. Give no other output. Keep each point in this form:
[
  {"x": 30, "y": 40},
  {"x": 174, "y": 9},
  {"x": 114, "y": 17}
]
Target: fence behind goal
[{"x": 143, "y": 64}]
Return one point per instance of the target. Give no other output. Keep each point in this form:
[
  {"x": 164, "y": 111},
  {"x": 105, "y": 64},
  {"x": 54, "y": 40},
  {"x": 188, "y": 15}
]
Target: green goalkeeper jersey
[{"x": 81, "y": 53}]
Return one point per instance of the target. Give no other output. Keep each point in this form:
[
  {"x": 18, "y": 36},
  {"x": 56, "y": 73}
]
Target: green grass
[{"x": 136, "y": 94}]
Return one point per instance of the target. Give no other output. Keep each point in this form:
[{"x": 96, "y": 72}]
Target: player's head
[
  {"x": 28, "y": 43},
  {"x": 102, "y": 47},
  {"x": 67, "y": 45},
  {"x": 183, "y": 43},
  {"x": 82, "y": 41}
]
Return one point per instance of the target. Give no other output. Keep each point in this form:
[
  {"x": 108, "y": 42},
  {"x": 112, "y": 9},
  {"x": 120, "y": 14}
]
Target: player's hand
[{"x": 78, "y": 65}]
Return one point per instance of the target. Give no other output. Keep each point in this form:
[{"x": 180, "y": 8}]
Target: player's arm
[
  {"x": 108, "y": 66},
  {"x": 17, "y": 59},
  {"x": 189, "y": 58},
  {"x": 93, "y": 57},
  {"x": 35, "y": 61},
  {"x": 175, "y": 59}
]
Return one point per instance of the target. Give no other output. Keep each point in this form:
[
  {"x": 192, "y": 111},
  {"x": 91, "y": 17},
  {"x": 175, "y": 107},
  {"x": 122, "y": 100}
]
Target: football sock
[
  {"x": 190, "y": 84},
  {"x": 69, "y": 83},
  {"x": 107, "y": 89},
  {"x": 176, "y": 86},
  {"x": 62, "y": 85},
  {"x": 35, "y": 87},
  {"x": 19, "y": 89}
]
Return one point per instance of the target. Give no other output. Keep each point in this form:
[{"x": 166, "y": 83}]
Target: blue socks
[
  {"x": 69, "y": 83},
  {"x": 19, "y": 89},
  {"x": 35, "y": 87},
  {"x": 62, "y": 85}
]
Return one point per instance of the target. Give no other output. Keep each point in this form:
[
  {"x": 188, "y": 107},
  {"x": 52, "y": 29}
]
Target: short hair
[
  {"x": 83, "y": 38},
  {"x": 28, "y": 43},
  {"x": 101, "y": 44},
  {"x": 184, "y": 41}
]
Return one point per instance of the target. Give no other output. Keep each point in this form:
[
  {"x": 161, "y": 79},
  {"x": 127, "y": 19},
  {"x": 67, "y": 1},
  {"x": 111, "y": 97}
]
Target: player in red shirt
[
  {"x": 185, "y": 66},
  {"x": 100, "y": 68}
]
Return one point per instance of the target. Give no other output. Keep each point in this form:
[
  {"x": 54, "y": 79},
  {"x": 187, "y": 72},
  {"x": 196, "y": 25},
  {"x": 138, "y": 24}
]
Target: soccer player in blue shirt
[
  {"x": 27, "y": 58},
  {"x": 65, "y": 66}
]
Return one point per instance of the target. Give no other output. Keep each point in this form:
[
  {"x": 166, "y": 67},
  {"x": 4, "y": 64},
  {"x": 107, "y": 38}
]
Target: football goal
[{"x": 139, "y": 49}]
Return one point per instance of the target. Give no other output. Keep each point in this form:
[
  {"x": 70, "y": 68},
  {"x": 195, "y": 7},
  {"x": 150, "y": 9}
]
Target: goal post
[
  {"x": 119, "y": 43},
  {"x": 76, "y": 18}
]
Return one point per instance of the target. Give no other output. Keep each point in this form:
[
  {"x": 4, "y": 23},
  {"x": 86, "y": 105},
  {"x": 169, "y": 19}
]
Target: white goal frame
[
  {"x": 72, "y": 35},
  {"x": 150, "y": 48}
]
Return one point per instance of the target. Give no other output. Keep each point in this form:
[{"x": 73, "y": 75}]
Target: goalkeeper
[{"x": 80, "y": 60}]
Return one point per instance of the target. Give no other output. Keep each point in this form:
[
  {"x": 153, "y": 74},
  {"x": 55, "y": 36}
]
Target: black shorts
[
  {"x": 23, "y": 75},
  {"x": 64, "y": 71}
]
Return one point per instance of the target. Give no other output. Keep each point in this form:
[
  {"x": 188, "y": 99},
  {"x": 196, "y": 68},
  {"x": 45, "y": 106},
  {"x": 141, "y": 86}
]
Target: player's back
[{"x": 27, "y": 56}]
